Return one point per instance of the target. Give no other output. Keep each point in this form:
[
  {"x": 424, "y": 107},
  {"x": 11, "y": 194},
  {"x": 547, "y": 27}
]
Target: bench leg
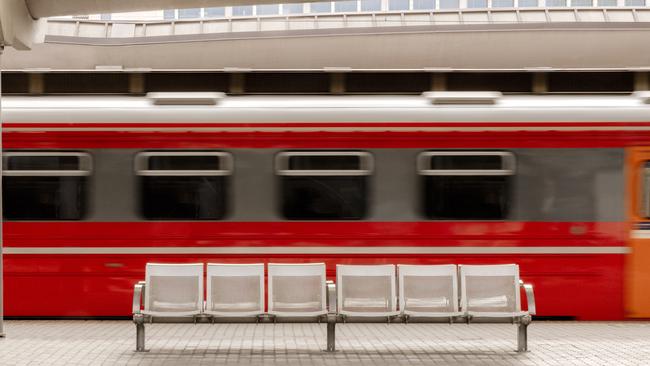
[
  {"x": 331, "y": 333},
  {"x": 522, "y": 334},
  {"x": 139, "y": 333}
]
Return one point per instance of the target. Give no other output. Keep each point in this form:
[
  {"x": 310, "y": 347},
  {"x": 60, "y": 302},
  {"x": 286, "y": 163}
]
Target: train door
[{"x": 638, "y": 261}]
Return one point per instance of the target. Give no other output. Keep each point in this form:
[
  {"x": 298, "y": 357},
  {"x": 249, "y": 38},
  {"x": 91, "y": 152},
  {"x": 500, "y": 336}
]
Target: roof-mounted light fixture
[
  {"x": 444, "y": 98},
  {"x": 642, "y": 95}
]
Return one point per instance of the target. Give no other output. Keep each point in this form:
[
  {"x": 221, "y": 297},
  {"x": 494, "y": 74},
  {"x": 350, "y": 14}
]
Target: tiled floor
[{"x": 113, "y": 342}]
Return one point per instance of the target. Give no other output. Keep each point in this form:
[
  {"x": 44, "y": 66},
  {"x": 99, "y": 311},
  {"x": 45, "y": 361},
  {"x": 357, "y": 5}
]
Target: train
[{"x": 95, "y": 187}]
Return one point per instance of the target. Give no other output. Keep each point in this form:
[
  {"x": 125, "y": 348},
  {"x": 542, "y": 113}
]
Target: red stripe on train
[
  {"x": 321, "y": 139},
  {"x": 363, "y": 233}
]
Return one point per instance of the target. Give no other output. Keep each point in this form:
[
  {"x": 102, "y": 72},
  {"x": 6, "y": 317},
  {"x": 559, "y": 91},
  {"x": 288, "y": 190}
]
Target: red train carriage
[{"x": 94, "y": 188}]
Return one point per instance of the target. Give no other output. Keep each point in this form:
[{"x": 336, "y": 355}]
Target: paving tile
[{"x": 70, "y": 342}]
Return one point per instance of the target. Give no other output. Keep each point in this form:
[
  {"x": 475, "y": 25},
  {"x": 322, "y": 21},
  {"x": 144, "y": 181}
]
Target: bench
[{"x": 301, "y": 293}]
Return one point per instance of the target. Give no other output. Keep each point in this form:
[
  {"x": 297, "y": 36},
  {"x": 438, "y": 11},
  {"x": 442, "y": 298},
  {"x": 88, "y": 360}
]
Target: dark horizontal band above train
[{"x": 324, "y": 81}]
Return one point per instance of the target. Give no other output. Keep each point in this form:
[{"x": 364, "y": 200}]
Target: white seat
[
  {"x": 235, "y": 290},
  {"x": 428, "y": 290},
  {"x": 173, "y": 289},
  {"x": 490, "y": 290},
  {"x": 366, "y": 290},
  {"x": 297, "y": 290}
]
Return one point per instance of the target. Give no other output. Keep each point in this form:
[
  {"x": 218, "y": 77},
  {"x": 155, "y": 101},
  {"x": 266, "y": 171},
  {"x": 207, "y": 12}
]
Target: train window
[
  {"x": 324, "y": 185},
  {"x": 183, "y": 185},
  {"x": 45, "y": 185},
  {"x": 466, "y": 185}
]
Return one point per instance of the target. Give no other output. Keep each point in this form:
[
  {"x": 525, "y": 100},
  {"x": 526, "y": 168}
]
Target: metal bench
[{"x": 300, "y": 292}]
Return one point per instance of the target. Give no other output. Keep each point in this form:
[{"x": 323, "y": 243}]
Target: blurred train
[{"x": 95, "y": 187}]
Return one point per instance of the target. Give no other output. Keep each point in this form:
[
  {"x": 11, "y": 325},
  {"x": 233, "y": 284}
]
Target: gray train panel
[
  {"x": 569, "y": 185},
  {"x": 549, "y": 185}
]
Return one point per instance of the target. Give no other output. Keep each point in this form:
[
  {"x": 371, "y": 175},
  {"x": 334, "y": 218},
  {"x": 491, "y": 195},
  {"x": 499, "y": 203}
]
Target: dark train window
[
  {"x": 324, "y": 185},
  {"x": 183, "y": 185},
  {"x": 45, "y": 185},
  {"x": 464, "y": 185}
]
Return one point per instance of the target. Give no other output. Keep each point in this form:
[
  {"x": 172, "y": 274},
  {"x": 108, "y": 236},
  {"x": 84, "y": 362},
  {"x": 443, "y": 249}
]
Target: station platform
[{"x": 78, "y": 342}]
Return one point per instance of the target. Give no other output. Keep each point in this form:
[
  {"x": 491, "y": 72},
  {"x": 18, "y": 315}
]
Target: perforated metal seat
[
  {"x": 297, "y": 290},
  {"x": 235, "y": 290},
  {"x": 366, "y": 290},
  {"x": 490, "y": 290},
  {"x": 173, "y": 289},
  {"x": 428, "y": 290}
]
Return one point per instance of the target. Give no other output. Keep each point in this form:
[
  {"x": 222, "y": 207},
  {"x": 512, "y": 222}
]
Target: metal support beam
[
  {"x": 237, "y": 83},
  {"x": 337, "y": 83},
  {"x": 641, "y": 81},
  {"x": 438, "y": 81},
  {"x": 136, "y": 83},
  {"x": 36, "y": 83},
  {"x": 540, "y": 83}
]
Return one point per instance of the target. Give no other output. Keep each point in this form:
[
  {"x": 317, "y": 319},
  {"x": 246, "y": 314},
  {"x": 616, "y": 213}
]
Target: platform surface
[{"x": 75, "y": 342}]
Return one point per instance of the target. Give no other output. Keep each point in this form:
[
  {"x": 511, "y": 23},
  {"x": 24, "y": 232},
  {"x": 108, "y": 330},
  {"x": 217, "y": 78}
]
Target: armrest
[
  {"x": 530, "y": 297},
  {"x": 138, "y": 296},
  {"x": 331, "y": 297}
]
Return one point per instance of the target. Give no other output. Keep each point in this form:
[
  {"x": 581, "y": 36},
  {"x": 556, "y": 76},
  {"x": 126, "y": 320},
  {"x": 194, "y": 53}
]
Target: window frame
[
  {"x": 141, "y": 164},
  {"x": 85, "y": 164},
  {"x": 366, "y": 164},
  {"x": 508, "y": 164}
]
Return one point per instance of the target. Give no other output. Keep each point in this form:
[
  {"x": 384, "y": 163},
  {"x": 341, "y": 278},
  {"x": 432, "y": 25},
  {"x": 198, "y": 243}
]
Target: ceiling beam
[
  {"x": 17, "y": 28},
  {"x": 51, "y": 8}
]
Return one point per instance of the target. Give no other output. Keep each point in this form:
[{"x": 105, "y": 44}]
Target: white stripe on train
[
  {"x": 640, "y": 234},
  {"x": 315, "y": 250}
]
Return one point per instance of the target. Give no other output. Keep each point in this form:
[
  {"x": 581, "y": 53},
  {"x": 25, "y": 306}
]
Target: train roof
[{"x": 251, "y": 109}]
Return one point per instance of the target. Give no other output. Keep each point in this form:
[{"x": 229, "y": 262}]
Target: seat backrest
[
  {"x": 490, "y": 290},
  {"x": 297, "y": 289},
  {"x": 428, "y": 289},
  {"x": 366, "y": 290},
  {"x": 235, "y": 289},
  {"x": 174, "y": 289}
]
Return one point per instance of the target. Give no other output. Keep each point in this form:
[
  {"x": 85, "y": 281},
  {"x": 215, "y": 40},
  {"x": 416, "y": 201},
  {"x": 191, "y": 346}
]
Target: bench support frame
[
  {"x": 138, "y": 319},
  {"x": 332, "y": 316},
  {"x": 522, "y": 333},
  {"x": 331, "y": 333}
]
